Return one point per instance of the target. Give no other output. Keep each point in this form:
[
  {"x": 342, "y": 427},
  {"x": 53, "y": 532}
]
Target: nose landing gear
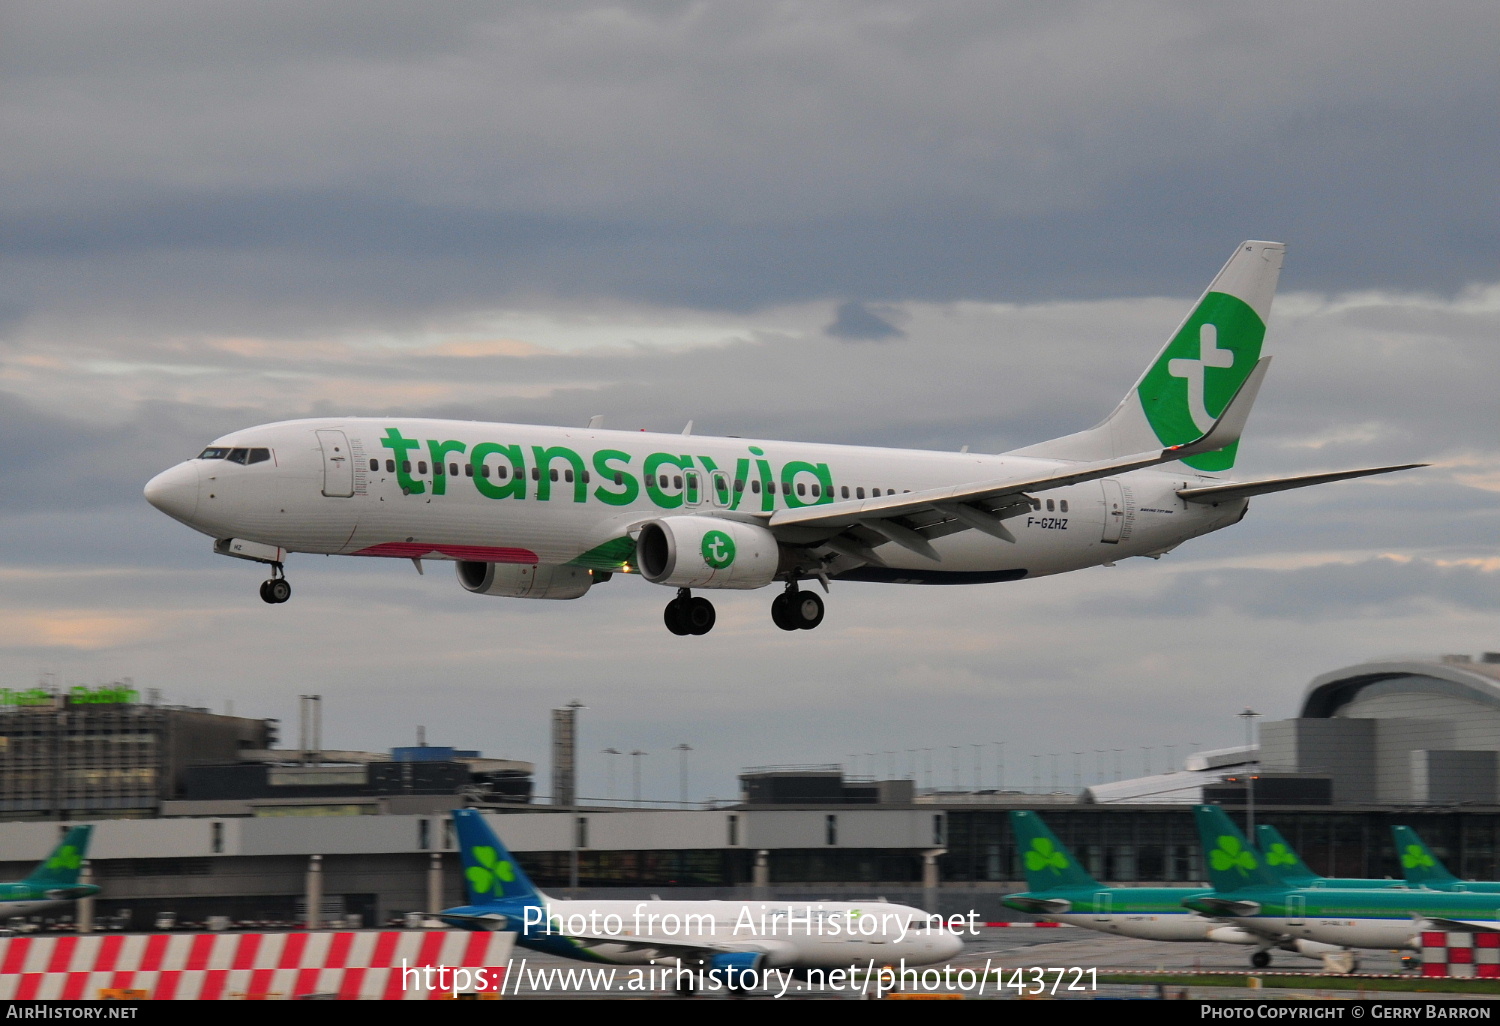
[
  {"x": 278, "y": 589},
  {"x": 795, "y": 610},
  {"x": 688, "y": 615}
]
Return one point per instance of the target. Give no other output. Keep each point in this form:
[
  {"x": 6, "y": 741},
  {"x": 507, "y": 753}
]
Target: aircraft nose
[
  {"x": 950, "y": 946},
  {"x": 175, "y": 491}
]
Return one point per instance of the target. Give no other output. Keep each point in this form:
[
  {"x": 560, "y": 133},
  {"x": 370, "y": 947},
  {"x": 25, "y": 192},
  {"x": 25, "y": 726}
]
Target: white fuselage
[
  {"x": 788, "y": 934},
  {"x": 1159, "y": 926},
  {"x": 359, "y": 486}
]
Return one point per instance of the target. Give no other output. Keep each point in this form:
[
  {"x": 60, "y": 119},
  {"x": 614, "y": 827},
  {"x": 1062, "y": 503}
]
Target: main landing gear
[
  {"x": 277, "y": 590},
  {"x": 1260, "y": 959},
  {"x": 688, "y": 615},
  {"x": 795, "y": 610}
]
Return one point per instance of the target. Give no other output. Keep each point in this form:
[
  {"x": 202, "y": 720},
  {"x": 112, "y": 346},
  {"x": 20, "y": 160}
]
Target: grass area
[{"x": 1406, "y": 985}]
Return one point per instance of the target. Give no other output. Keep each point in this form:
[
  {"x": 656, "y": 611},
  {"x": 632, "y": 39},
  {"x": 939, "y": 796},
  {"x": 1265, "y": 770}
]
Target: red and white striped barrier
[
  {"x": 1018, "y": 926},
  {"x": 1460, "y": 954},
  {"x": 389, "y": 965}
]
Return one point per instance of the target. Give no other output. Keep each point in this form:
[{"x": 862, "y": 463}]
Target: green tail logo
[
  {"x": 491, "y": 869},
  {"x": 1280, "y": 855},
  {"x": 1414, "y": 857},
  {"x": 66, "y": 859},
  {"x": 1044, "y": 855},
  {"x": 1199, "y": 372},
  {"x": 1231, "y": 854}
]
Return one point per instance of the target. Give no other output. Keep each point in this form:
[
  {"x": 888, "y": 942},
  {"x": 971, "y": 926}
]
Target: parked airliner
[
  {"x": 729, "y": 940},
  {"x": 54, "y": 881},
  {"x": 548, "y": 512}
]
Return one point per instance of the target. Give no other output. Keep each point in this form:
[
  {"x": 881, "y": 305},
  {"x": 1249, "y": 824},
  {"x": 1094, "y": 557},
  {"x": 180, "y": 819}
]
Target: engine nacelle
[
  {"x": 519, "y": 580},
  {"x": 706, "y": 552}
]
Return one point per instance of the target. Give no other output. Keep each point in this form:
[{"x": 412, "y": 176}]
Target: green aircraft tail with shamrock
[
  {"x": 1049, "y": 865},
  {"x": 1283, "y": 860}
]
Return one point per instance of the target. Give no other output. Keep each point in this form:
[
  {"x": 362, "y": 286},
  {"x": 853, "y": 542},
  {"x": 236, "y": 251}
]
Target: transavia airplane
[
  {"x": 725, "y": 938},
  {"x": 548, "y": 512},
  {"x": 54, "y": 881},
  {"x": 1062, "y": 891},
  {"x": 1249, "y": 894}
]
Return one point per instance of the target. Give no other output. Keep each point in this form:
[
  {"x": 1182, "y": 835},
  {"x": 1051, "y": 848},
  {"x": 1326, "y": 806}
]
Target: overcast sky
[{"x": 906, "y": 223}]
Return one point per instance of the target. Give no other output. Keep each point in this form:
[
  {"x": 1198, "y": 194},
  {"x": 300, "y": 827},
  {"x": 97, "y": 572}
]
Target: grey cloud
[{"x": 858, "y": 322}]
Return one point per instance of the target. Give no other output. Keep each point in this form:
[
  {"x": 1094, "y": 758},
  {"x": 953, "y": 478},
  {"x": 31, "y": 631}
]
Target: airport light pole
[
  {"x": 636, "y": 758},
  {"x": 999, "y": 765},
  {"x": 978, "y": 774},
  {"x": 1252, "y": 759},
  {"x": 611, "y": 764},
  {"x": 682, "y": 751}
]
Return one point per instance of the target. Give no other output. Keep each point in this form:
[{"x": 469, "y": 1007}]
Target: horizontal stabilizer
[
  {"x": 1235, "y": 490},
  {"x": 1223, "y": 906}
]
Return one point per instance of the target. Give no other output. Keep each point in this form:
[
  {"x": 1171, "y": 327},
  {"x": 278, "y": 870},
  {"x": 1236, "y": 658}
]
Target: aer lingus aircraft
[
  {"x": 54, "y": 881},
  {"x": 1251, "y": 896},
  {"x": 548, "y": 512},
  {"x": 1283, "y": 860},
  {"x": 1424, "y": 869},
  {"x": 728, "y": 940},
  {"x": 1062, "y": 891}
]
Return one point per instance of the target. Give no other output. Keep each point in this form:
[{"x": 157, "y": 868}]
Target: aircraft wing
[
  {"x": 1243, "y": 490},
  {"x": 911, "y": 518}
]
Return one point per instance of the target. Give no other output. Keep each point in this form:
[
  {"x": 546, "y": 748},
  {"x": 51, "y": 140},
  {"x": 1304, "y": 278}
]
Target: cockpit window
[
  {"x": 259, "y": 455},
  {"x": 238, "y": 456},
  {"x": 218, "y": 452},
  {"x": 213, "y": 453}
]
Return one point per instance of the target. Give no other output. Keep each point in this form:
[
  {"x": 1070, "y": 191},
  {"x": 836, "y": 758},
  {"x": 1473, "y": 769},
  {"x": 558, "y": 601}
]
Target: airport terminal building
[{"x": 1373, "y": 745}]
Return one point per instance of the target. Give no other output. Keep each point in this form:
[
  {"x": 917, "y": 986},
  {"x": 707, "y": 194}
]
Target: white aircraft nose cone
[{"x": 175, "y": 491}]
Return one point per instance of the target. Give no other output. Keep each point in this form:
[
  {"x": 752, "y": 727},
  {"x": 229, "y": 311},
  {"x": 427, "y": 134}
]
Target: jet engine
[
  {"x": 519, "y": 580},
  {"x": 706, "y": 552}
]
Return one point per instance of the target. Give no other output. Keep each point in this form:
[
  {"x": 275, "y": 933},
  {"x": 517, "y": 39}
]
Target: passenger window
[
  {"x": 552, "y": 474},
  {"x": 259, "y": 455},
  {"x": 739, "y": 485},
  {"x": 650, "y": 480},
  {"x": 468, "y": 470},
  {"x": 374, "y": 465},
  {"x": 567, "y": 476},
  {"x": 390, "y": 466},
  {"x": 406, "y": 466},
  {"x": 536, "y": 473},
  {"x": 676, "y": 480},
  {"x": 437, "y": 470},
  {"x": 844, "y": 491},
  {"x": 1049, "y": 505},
  {"x": 755, "y": 487},
  {"x": 801, "y": 489},
  {"x": 860, "y": 492},
  {"x": 239, "y": 456},
  {"x": 817, "y": 491},
  {"x": 619, "y": 478},
  {"x": 484, "y": 470},
  {"x": 502, "y": 471},
  {"x": 453, "y": 469},
  {"x": 1036, "y": 504},
  {"x": 421, "y": 466},
  {"x": 1062, "y": 505}
]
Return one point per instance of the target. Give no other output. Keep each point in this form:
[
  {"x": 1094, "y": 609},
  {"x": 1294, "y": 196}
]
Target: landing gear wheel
[
  {"x": 265, "y": 592},
  {"x": 276, "y": 590},
  {"x": 781, "y": 613},
  {"x": 806, "y": 608},
  {"x": 1260, "y": 959},
  {"x": 674, "y": 616},
  {"x": 699, "y": 615}
]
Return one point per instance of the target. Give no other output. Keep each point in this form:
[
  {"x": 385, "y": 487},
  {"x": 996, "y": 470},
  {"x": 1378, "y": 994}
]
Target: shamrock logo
[
  {"x": 1231, "y": 854},
  {"x": 1414, "y": 857},
  {"x": 1280, "y": 855},
  {"x": 1044, "y": 855},
  {"x": 67, "y": 857},
  {"x": 490, "y": 869}
]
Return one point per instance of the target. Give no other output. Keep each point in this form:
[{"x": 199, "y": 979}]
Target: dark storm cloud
[{"x": 734, "y": 155}]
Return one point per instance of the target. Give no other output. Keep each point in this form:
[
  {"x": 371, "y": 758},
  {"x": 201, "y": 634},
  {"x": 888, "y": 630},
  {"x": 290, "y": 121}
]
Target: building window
[
  {"x": 937, "y": 829},
  {"x": 733, "y": 823},
  {"x": 217, "y": 839},
  {"x": 831, "y": 826}
]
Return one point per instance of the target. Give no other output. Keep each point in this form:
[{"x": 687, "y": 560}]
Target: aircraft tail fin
[
  {"x": 491, "y": 873},
  {"x": 1423, "y": 868},
  {"x": 1283, "y": 858},
  {"x": 1048, "y": 862},
  {"x": 62, "y": 866},
  {"x": 1193, "y": 377},
  {"x": 1232, "y": 862}
]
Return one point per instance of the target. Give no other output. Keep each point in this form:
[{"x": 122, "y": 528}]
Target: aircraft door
[
  {"x": 1114, "y": 510},
  {"x": 1103, "y": 906},
  {"x": 692, "y": 488},
  {"x": 1296, "y": 909},
  {"x": 718, "y": 489},
  {"x": 338, "y": 464}
]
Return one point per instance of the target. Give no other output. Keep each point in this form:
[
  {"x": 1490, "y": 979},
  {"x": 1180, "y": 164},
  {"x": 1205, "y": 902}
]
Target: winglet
[{"x": 1231, "y": 423}]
